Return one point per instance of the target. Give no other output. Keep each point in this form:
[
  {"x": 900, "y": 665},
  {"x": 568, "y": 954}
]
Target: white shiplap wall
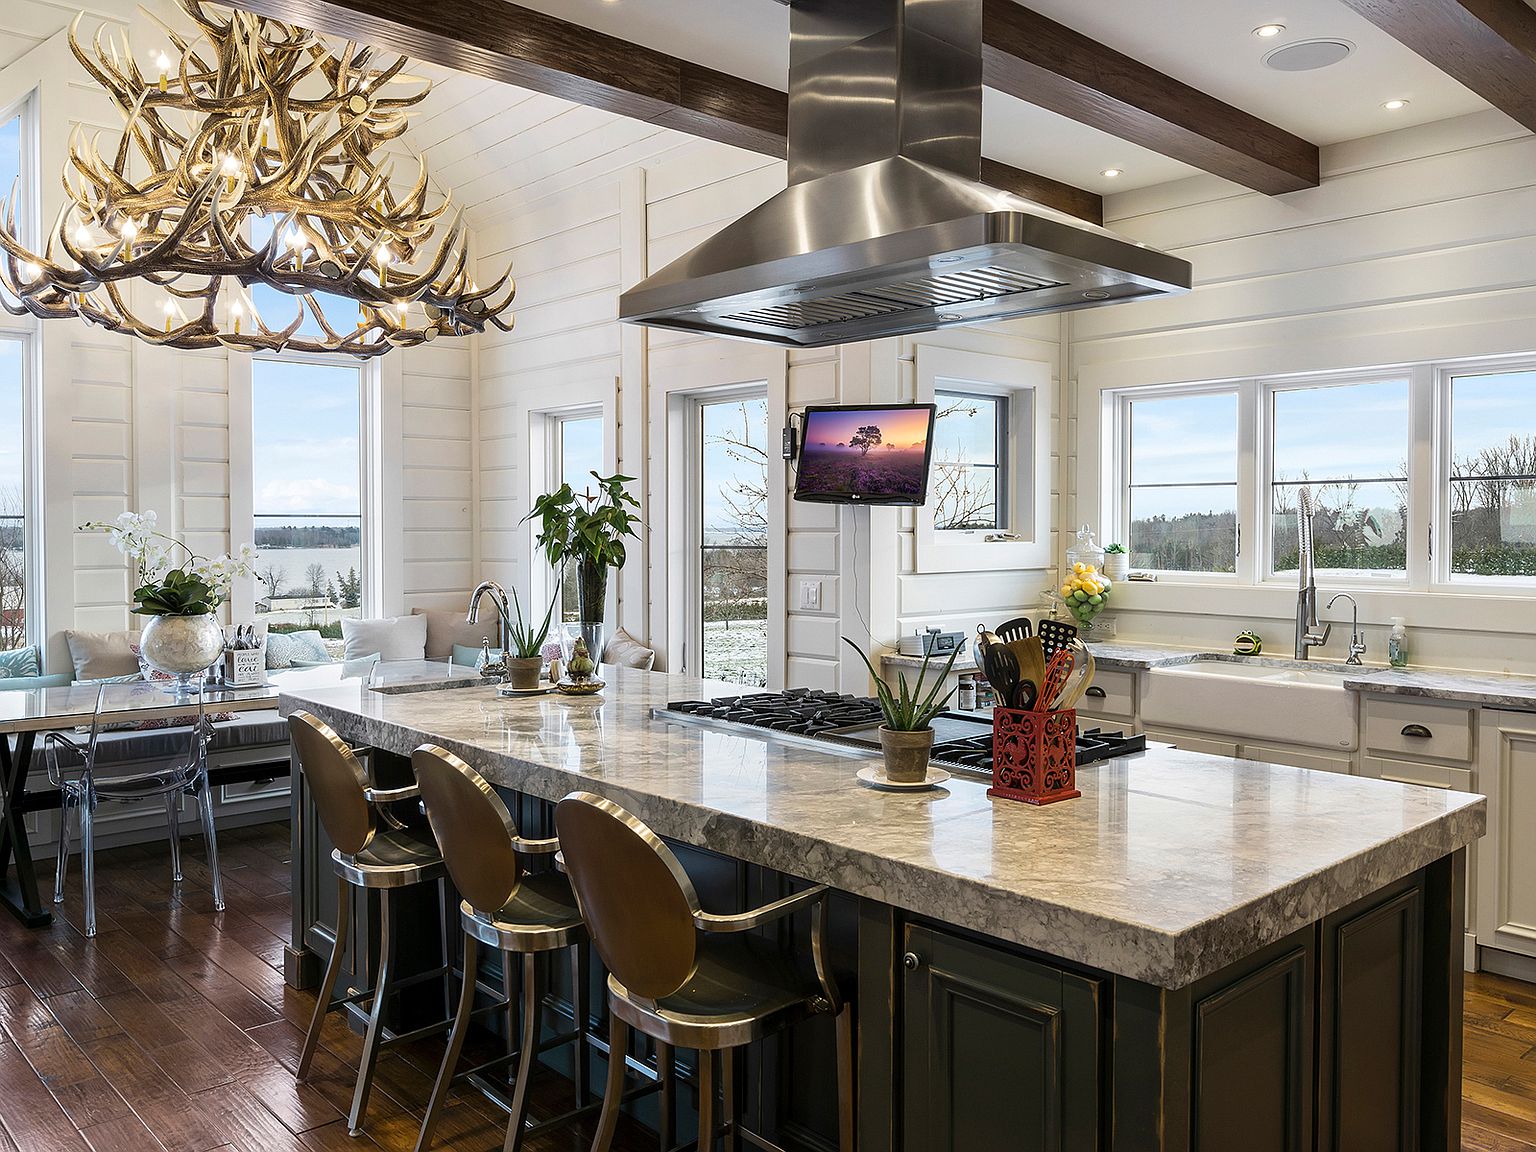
[{"x": 1419, "y": 245}]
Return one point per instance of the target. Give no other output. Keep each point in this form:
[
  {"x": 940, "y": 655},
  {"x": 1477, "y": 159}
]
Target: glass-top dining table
[{"x": 27, "y": 713}]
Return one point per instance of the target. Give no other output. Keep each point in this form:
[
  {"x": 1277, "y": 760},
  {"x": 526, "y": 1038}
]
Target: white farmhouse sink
[{"x": 1255, "y": 702}]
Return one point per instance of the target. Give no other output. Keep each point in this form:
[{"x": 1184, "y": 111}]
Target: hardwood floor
[{"x": 173, "y": 1031}]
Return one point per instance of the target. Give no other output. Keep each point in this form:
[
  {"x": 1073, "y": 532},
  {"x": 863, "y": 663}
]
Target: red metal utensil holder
[{"x": 1034, "y": 755}]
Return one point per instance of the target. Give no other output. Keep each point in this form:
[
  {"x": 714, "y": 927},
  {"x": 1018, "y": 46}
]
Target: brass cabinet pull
[
  {"x": 912, "y": 961},
  {"x": 1096, "y": 692},
  {"x": 1417, "y": 730}
]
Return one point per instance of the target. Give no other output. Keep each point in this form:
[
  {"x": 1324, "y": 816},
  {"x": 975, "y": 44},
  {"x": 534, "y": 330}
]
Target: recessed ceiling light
[
  {"x": 1308, "y": 55},
  {"x": 1265, "y": 31},
  {"x": 1395, "y": 105},
  {"x": 1111, "y": 173}
]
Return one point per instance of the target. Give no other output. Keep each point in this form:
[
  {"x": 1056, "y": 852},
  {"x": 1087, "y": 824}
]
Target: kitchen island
[{"x": 1198, "y": 951}]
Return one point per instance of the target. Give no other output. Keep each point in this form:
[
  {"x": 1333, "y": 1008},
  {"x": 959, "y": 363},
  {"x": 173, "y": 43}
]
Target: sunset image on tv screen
[{"x": 878, "y": 454}]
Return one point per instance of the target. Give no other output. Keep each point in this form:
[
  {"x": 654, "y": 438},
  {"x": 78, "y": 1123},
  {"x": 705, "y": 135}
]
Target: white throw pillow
[{"x": 392, "y": 637}]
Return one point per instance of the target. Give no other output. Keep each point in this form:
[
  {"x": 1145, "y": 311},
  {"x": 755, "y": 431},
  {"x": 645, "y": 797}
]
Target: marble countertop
[
  {"x": 1171, "y": 865},
  {"x": 1488, "y": 689}
]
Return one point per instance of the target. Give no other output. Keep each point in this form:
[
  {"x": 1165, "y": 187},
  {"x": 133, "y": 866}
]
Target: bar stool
[
  {"x": 375, "y": 851},
  {"x": 508, "y": 908},
  {"x": 688, "y": 978}
]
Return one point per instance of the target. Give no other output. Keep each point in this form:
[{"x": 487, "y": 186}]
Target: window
[
  {"x": 1348, "y": 443},
  {"x": 14, "y": 567},
  {"x": 970, "y": 452},
  {"x": 306, "y": 493},
  {"x": 578, "y": 452},
  {"x": 1180, "y": 499},
  {"x": 732, "y": 578},
  {"x": 1492, "y": 488}
]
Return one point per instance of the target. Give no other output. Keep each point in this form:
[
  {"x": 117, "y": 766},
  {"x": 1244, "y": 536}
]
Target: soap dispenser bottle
[{"x": 1397, "y": 644}]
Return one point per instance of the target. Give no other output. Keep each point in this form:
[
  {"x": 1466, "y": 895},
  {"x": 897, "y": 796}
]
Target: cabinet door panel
[
  {"x": 1001, "y": 1051},
  {"x": 1506, "y": 888}
]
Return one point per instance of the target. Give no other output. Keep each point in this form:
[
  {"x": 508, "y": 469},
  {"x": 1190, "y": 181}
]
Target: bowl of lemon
[{"x": 1085, "y": 592}]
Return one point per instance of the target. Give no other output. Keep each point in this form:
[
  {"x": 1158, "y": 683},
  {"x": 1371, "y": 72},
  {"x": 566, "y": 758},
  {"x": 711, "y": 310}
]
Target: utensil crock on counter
[
  {"x": 906, "y": 754},
  {"x": 523, "y": 672}
]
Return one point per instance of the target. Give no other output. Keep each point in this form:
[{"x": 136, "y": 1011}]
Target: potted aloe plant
[
  {"x": 906, "y": 738},
  {"x": 525, "y": 641}
]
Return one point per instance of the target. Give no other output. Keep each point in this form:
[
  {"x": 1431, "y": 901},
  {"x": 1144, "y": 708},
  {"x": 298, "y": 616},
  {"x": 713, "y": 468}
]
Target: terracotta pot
[
  {"x": 906, "y": 754},
  {"x": 523, "y": 672}
]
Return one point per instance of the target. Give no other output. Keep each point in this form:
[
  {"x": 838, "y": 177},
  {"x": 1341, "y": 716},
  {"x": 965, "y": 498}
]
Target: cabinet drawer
[
  {"x": 1411, "y": 772},
  {"x": 1312, "y": 758},
  {"x": 1111, "y": 694},
  {"x": 1414, "y": 728}
]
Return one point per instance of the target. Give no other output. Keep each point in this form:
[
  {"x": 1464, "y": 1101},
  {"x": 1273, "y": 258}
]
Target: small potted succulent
[
  {"x": 525, "y": 643},
  {"x": 906, "y": 738},
  {"x": 1117, "y": 561}
]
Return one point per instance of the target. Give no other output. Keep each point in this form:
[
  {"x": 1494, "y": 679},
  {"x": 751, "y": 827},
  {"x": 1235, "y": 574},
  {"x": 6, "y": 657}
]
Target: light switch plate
[{"x": 810, "y": 595}]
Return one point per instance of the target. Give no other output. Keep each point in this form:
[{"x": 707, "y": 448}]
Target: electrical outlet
[
  {"x": 810, "y": 595},
  {"x": 1103, "y": 627}
]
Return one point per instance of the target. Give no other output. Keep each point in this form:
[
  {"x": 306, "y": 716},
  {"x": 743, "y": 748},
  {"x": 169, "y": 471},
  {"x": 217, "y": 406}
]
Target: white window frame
[
  {"x": 34, "y": 631},
  {"x": 1264, "y": 524},
  {"x": 546, "y": 466},
  {"x": 1438, "y": 563},
  {"x": 1429, "y": 463},
  {"x": 372, "y": 502},
  {"x": 1117, "y": 492},
  {"x": 1002, "y": 448},
  {"x": 693, "y": 405},
  {"x": 1025, "y": 539}
]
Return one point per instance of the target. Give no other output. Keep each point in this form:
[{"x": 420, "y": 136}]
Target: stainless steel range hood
[{"x": 886, "y": 227}]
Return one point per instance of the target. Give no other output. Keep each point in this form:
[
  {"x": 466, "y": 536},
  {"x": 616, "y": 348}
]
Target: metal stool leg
[
  {"x": 455, "y": 1044},
  {"x": 62, "y": 870},
  {"x": 613, "y": 1093},
  {"x": 666, "y": 1072},
  {"x": 210, "y": 839},
  {"x": 579, "y": 1051},
  {"x": 847, "y": 1088},
  {"x": 375, "y": 1033},
  {"x": 88, "y": 855},
  {"x": 728, "y": 1094},
  {"x": 173, "y": 829},
  {"x": 528, "y": 1053},
  {"x": 706, "y": 1102},
  {"x": 328, "y": 981}
]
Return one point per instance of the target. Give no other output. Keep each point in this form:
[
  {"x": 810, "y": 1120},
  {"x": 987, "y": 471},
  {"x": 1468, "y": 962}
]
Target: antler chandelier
[{"x": 252, "y": 160}]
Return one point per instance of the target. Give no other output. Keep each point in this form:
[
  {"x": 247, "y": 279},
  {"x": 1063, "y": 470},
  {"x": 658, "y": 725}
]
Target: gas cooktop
[{"x": 962, "y": 740}]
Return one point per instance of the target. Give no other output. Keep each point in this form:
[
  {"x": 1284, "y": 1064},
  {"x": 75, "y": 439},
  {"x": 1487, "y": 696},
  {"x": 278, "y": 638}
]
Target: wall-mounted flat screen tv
[{"x": 874, "y": 454}]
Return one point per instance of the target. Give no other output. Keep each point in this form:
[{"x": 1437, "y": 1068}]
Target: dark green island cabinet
[
  {"x": 1306, "y": 998},
  {"x": 1341, "y": 1037}
]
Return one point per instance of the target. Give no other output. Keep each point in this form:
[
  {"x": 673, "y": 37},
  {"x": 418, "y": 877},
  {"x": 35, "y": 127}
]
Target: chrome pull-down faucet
[
  {"x": 1306, "y": 598},
  {"x": 498, "y": 597},
  {"x": 1356, "y": 641}
]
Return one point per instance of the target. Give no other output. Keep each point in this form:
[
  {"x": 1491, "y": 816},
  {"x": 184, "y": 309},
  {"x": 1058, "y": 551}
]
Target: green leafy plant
[
  {"x": 907, "y": 709},
  {"x": 587, "y": 526},
  {"x": 524, "y": 640},
  {"x": 1116, "y": 549}
]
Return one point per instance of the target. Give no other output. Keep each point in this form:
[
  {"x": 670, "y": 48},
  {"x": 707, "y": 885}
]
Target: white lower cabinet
[
  {"x": 1506, "y": 889},
  {"x": 1193, "y": 741}
]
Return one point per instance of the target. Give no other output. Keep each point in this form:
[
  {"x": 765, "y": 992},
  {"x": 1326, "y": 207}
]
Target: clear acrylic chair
[{"x": 105, "y": 768}]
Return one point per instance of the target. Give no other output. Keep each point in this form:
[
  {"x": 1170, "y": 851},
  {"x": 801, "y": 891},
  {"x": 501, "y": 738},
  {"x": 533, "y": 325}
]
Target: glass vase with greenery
[{"x": 589, "y": 528}]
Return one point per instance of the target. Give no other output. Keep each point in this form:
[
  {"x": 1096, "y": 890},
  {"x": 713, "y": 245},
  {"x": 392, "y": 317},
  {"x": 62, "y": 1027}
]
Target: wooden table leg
[{"x": 18, "y": 894}]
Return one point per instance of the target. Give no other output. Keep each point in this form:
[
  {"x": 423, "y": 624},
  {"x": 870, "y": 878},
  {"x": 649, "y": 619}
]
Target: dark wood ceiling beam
[
  {"x": 1487, "y": 45},
  {"x": 1048, "y": 64},
  {"x": 515, "y": 45}
]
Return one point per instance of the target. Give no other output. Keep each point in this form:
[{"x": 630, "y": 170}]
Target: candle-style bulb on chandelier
[{"x": 249, "y": 194}]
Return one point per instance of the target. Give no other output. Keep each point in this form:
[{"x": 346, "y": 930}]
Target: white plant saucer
[{"x": 874, "y": 776}]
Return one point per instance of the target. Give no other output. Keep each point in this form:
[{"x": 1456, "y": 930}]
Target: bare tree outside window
[
  {"x": 13, "y": 571},
  {"x": 734, "y": 545},
  {"x": 966, "y": 474},
  {"x": 314, "y": 581}
]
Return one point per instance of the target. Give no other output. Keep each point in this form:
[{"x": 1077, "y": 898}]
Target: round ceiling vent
[{"x": 1308, "y": 55}]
